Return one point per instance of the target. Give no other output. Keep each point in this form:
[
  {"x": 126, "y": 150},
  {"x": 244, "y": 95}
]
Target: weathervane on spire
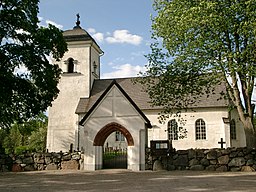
[{"x": 77, "y": 22}]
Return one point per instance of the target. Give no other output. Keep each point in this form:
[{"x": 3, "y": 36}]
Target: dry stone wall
[
  {"x": 230, "y": 159},
  {"x": 41, "y": 161}
]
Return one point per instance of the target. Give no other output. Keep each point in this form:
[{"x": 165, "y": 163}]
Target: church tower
[{"x": 80, "y": 67}]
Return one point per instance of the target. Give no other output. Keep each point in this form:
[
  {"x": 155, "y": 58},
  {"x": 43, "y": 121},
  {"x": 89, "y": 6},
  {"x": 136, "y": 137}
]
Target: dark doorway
[{"x": 114, "y": 158}]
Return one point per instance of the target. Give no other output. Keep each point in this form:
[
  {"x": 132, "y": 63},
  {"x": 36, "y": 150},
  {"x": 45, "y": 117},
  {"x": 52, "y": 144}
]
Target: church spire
[{"x": 77, "y": 22}]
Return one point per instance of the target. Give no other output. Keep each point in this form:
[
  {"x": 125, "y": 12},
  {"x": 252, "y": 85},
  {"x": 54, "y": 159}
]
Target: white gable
[
  {"x": 114, "y": 104},
  {"x": 114, "y": 108}
]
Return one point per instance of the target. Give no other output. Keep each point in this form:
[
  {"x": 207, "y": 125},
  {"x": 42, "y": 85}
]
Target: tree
[
  {"x": 12, "y": 140},
  {"x": 24, "y": 44},
  {"x": 27, "y": 136},
  {"x": 198, "y": 44},
  {"x": 37, "y": 139}
]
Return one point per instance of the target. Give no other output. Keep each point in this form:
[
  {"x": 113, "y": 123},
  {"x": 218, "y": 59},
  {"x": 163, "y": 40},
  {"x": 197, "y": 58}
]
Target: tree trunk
[{"x": 249, "y": 133}]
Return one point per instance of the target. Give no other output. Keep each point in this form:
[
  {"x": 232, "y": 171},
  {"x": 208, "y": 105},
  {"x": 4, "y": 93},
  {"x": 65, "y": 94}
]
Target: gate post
[
  {"x": 98, "y": 157},
  {"x": 142, "y": 149}
]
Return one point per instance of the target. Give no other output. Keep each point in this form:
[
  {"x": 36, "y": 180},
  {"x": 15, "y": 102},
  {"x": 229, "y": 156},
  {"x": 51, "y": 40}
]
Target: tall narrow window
[
  {"x": 94, "y": 67},
  {"x": 200, "y": 129},
  {"x": 70, "y": 65},
  {"x": 119, "y": 136},
  {"x": 232, "y": 129},
  {"x": 172, "y": 130}
]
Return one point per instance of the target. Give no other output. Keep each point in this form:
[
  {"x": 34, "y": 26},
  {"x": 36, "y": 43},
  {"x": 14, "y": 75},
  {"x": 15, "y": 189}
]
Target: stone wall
[
  {"x": 230, "y": 159},
  {"x": 41, "y": 161}
]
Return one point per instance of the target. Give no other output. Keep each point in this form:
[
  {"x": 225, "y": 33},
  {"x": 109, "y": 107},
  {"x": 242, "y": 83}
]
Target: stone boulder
[
  {"x": 205, "y": 162},
  {"x": 222, "y": 168},
  {"x": 237, "y": 162},
  {"x": 211, "y": 168},
  {"x": 235, "y": 169},
  {"x": 39, "y": 160},
  {"x": 182, "y": 160},
  {"x": 191, "y": 154},
  {"x": 16, "y": 168},
  {"x": 29, "y": 168},
  {"x": 40, "y": 167},
  {"x": 66, "y": 157},
  {"x": 76, "y": 156},
  {"x": 223, "y": 160},
  {"x": 193, "y": 162},
  {"x": 250, "y": 162},
  {"x": 211, "y": 155},
  {"x": 51, "y": 166},
  {"x": 197, "y": 168},
  {"x": 247, "y": 169},
  {"x": 70, "y": 165},
  {"x": 157, "y": 166},
  {"x": 200, "y": 153}
]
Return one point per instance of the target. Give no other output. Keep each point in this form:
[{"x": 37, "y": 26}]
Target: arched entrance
[{"x": 112, "y": 157}]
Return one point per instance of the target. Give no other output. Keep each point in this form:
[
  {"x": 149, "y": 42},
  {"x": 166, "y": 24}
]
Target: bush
[{"x": 22, "y": 149}]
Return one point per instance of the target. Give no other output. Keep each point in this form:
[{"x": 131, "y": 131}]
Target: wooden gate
[{"x": 114, "y": 158}]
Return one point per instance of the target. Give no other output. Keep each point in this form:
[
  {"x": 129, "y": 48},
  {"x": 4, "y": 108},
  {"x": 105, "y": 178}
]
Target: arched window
[
  {"x": 232, "y": 129},
  {"x": 200, "y": 129},
  {"x": 172, "y": 130},
  {"x": 70, "y": 65},
  {"x": 119, "y": 136}
]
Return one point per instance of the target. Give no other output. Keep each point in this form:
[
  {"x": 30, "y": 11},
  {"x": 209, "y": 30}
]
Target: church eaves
[{"x": 139, "y": 96}]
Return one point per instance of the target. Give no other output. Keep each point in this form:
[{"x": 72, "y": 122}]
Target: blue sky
[{"x": 120, "y": 27}]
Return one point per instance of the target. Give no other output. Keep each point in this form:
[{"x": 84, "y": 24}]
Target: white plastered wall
[
  {"x": 215, "y": 128},
  {"x": 63, "y": 122},
  {"x": 240, "y": 140},
  {"x": 114, "y": 108}
]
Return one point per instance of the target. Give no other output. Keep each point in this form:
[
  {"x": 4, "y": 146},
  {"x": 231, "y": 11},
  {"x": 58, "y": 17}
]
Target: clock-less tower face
[
  {"x": 82, "y": 57},
  {"x": 80, "y": 67}
]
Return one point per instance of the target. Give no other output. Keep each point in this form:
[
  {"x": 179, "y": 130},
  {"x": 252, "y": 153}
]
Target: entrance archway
[
  {"x": 102, "y": 135},
  {"x": 112, "y": 158}
]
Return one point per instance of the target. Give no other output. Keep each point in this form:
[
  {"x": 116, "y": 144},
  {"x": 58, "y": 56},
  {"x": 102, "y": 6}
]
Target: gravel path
[{"x": 127, "y": 181}]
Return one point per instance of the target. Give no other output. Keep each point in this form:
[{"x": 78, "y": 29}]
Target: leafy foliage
[
  {"x": 24, "y": 44},
  {"x": 198, "y": 44},
  {"x": 28, "y": 136}
]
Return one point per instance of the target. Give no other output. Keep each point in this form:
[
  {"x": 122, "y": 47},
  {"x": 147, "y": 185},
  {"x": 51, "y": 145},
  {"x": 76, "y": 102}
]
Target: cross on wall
[{"x": 221, "y": 142}]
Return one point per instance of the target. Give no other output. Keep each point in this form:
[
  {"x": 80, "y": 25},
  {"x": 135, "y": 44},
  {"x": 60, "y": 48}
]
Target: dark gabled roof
[
  {"x": 141, "y": 98},
  {"x": 99, "y": 94},
  {"x": 78, "y": 34}
]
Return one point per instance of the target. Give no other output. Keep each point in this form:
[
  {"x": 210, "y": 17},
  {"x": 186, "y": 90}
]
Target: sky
[{"x": 122, "y": 29}]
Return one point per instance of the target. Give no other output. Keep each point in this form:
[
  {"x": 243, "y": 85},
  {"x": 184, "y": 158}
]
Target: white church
[{"x": 91, "y": 113}]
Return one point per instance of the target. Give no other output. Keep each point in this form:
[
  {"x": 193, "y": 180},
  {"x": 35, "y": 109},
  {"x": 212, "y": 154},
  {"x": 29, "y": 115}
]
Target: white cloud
[
  {"x": 91, "y": 30},
  {"x": 124, "y": 36},
  {"x": 40, "y": 18},
  {"x": 53, "y": 23},
  {"x": 99, "y": 37},
  {"x": 118, "y": 36},
  {"x": 125, "y": 70}
]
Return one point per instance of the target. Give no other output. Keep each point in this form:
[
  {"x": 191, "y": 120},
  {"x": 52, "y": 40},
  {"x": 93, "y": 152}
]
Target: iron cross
[{"x": 221, "y": 142}]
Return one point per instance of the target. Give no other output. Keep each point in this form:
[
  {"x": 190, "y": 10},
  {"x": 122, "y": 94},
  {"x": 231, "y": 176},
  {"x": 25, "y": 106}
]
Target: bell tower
[{"x": 80, "y": 67}]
